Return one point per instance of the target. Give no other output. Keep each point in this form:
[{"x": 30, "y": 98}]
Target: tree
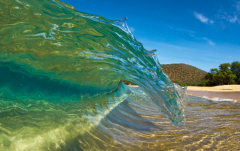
[
  {"x": 225, "y": 67},
  {"x": 211, "y": 77},
  {"x": 235, "y": 67},
  {"x": 226, "y": 75},
  {"x": 229, "y": 77},
  {"x": 223, "y": 75},
  {"x": 220, "y": 77}
]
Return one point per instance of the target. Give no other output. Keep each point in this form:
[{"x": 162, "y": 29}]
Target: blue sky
[{"x": 202, "y": 33}]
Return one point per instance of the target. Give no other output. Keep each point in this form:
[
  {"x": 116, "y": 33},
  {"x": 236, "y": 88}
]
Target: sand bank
[
  {"x": 221, "y": 88},
  {"x": 216, "y": 94},
  {"x": 222, "y": 92},
  {"x": 133, "y": 85}
]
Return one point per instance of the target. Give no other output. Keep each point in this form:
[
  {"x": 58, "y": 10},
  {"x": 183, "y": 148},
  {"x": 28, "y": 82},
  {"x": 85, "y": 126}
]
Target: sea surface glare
[{"x": 61, "y": 89}]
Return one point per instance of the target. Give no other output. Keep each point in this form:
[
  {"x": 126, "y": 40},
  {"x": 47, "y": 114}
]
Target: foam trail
[{"x": 219, "y": 99}]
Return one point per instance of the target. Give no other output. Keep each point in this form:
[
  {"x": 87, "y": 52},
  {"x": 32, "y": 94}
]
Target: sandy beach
[
  {"x": 222, "y": 92},
  {"x": 221, "y": 88}
]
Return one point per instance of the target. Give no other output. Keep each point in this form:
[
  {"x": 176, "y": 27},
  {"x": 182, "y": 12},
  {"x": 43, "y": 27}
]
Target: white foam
[{"x": 219, "y": 99}]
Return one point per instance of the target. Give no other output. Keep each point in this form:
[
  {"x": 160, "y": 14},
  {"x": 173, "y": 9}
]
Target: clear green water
[
  {"x": 52, "y": 52},
  {"x": 60, "y": 87}
]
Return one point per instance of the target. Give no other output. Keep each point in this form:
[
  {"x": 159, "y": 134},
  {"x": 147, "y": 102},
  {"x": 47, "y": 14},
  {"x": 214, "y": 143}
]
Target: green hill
[{"x": 184, "y": 74}]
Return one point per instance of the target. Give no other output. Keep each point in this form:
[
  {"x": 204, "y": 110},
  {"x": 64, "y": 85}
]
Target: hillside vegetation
[
  {"x": 224, "y": 75},
  {"x": 184, "y": 74},
  {"x": 181, "y": 74}
]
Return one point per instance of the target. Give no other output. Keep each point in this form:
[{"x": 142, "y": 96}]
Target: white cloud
[
  {"x": 232, "y": 17},
  {"x": 202, "y": 18},
  {"x": 187, "y": 31},
  {"x": 210, "y": 42},
  {"x": 183, "y": 30},
  {"x": 238, "y": 6},
  {"x": 132, "y": 29}
]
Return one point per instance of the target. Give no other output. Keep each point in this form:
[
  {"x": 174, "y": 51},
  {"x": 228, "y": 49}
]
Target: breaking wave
[{"x": 60, "y": 85}]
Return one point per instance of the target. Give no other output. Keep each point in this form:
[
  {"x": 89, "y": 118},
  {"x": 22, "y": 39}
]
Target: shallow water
[{"x": 133, "y": 124}]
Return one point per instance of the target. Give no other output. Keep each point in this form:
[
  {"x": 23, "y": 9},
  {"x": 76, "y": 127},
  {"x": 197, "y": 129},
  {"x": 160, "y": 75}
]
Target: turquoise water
[
  {"x": 60, "y": 85},
  {"x": 52, "y": 52}
]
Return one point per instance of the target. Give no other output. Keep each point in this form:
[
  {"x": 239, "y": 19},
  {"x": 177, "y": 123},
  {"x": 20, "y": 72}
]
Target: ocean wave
[{"x": 61, "y": 73}]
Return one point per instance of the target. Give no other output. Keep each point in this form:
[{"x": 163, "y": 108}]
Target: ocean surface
[{"x": 61, "y": 89}]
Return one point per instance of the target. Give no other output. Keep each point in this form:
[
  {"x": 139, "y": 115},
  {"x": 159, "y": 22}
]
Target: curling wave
[{"x": 61, "y": 73}]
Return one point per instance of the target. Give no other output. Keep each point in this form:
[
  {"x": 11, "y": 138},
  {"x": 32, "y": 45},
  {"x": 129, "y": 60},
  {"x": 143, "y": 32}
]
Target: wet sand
[
  {"x": 212, "y": 94},
  {"x": 221, "y": 88},
  {"x": 223, "y": 91}
]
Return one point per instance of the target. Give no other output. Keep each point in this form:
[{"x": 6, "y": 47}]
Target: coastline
[
  {"x": 220, "y": 92},
  {"x": 133, "y": 85},
  {"x": 221, "y": 88}
]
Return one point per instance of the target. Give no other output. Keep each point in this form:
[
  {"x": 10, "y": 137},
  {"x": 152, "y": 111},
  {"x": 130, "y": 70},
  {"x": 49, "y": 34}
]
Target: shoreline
[
  {"x": 221, "y": 92},
  {"x": 221, "y": 88},
  {"x": 216, "y": 94}
]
